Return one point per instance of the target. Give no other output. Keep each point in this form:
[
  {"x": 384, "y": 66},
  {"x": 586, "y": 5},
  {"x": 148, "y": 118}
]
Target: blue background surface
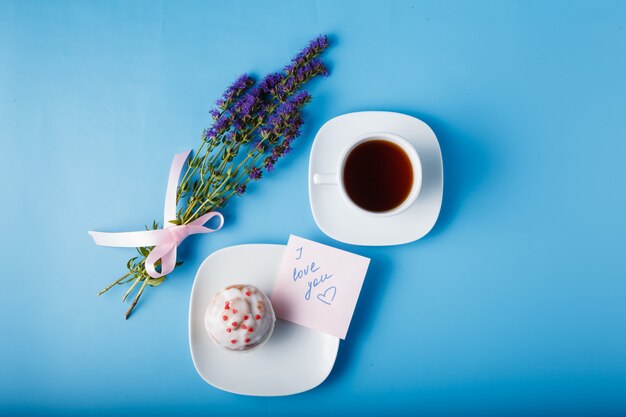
[{"x": 515, "y": 303}]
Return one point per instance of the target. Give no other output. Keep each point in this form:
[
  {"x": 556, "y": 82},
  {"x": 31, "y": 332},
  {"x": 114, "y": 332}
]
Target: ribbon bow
[{"x": 166, "y": 240}]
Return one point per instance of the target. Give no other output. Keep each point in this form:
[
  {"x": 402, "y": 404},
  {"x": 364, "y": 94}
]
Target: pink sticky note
[{"x": 318, "y": 286}]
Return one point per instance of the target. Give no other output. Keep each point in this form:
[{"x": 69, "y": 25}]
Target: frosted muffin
[{"x": 240, "y": 318}]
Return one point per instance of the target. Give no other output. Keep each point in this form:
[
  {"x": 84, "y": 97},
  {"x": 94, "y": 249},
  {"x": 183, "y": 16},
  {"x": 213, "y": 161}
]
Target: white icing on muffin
[{"x": 239, "y": 317}]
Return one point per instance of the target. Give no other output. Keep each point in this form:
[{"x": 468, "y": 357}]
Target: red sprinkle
[
  {"x": 228, "y": 330},
  {"x": 247, "y": 340},
  {"x": 250, "y": 329},
  {"x": 245, "y": 318},
  {"x": 233, "y": 341},
  {"x": 243, "y": 326},
  {"x": 227, "y": 306},
  {"x": 248, "y": 293},
  {"x": 225, "y": 318},
  {"x": 234, "y": 323},
  {"x": 234, "y": 311},
  {"x": 257, "y": 317}
]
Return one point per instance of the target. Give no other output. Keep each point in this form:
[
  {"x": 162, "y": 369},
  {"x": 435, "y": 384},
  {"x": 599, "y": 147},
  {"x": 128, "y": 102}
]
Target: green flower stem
[
  {"x": 197, "y": 212},
  {"x": 132, "y": 306},
  {"x": 192, "y": 202},
  {"x": 134, "y": 271},
  {"x": 208, "y": 160},
  {"x": 189, "y": 171},
  {"x": 132, "y": 287},
  {"x": 254, "y": 163},
  {"x": 203, "y": 191},
  {"x": 108, "y": 287},
  {"x": 194, "y": 160},
  {"x": 193, "y": 215}
]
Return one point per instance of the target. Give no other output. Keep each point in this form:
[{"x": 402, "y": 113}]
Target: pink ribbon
[{"x": 166, "y": 240}]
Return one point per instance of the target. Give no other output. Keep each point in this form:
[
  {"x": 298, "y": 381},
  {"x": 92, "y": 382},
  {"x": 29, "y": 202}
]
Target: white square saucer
[
  {"x": 294, "y": 359},
  {"x": 347, "y": 224}
]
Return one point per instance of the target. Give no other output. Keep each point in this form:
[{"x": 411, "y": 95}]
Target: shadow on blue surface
[
  {"x": 466, "y": 165},
  {"x": 378, "y": 275}
]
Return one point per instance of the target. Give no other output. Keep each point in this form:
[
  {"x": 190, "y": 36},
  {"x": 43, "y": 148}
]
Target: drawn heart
[{"x": 327, "y": 299}]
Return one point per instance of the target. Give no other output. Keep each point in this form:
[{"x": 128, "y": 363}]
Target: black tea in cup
[{"x": 378, "y": 175}]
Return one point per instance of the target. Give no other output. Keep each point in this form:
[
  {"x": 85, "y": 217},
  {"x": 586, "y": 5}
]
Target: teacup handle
[{"x": 323, "y": 179}]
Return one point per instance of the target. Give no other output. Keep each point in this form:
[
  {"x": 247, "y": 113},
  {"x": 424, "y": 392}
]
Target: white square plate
[
  {"x": 294, "y": 359},
  {"x": 342, "y": 222}
]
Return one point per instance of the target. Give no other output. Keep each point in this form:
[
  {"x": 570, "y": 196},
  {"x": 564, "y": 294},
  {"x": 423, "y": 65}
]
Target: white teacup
[{"x": 337, "y": 178}]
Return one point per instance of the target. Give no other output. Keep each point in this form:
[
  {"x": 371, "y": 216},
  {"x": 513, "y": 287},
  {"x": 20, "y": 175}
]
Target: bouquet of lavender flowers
[{"x": 254, "y": 125}]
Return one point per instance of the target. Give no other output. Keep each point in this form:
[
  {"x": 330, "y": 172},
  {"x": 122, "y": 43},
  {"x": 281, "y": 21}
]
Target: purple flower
[
  {"x": 281, "y": 149},
  {"x": 292, "y": 130},
  {"x": 235, "y": 90},
  {"x": 270, "y": 82},
  {"x": 269, "y": 163},
  {"x": 305, "y": 73},
  {"x": 241, "y": 189},
  {"x": 298, "y": 100},
  {"x": 215, "y": 114},
  {"x": 313, "y": 49},
  {"x": 205, "y": 134},
  {"x": 286, "y": 121},
  {"x": 245, "y": 106},
  {"x": 255, "y": 173},
  {"x": 220, "y": 126}
]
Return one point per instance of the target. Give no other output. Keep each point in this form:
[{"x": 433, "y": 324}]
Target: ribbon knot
[
  {"x": 166, "y": 240},
  {"x": 179, "y": 233}
]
